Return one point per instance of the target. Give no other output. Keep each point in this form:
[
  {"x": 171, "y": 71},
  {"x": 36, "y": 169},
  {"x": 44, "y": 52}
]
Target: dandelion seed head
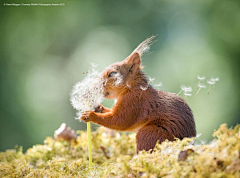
[
  {"x": 87, "y": 94},
  {"x": 201, "y": 78}
]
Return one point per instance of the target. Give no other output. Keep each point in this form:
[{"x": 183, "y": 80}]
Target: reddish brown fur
[{"x": 155, "y": 115}]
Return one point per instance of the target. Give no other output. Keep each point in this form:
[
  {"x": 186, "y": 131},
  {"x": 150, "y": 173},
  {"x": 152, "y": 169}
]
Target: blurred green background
[{"x": 45, "y": 50}]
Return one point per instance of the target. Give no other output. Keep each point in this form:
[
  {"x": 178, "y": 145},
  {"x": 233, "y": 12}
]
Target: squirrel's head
[{"x": 119, "y": 76}]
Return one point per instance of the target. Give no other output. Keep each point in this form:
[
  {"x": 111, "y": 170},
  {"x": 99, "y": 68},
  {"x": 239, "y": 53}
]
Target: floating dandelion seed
[
  {"x": 143, "y": 88},
  {"x": 212, "y": 82},
  {"x": 93, "y": 65},
  {"x": 180, "y": 91},
  {"x": 214, "y": 79},
  {"x": 158, "y": 85},
  {"x": 201, "y": 78},
  {"x": 203, "y": 142},
  {"x": 187, "y": 94},
  {"x": 87, "y": 94},
  {"x": 151, "y": 79},
  {"x": 186, "y": 91},
  {"x": 198, "y": 135},
  {"x": 146, "y": 87},
  {"x": 200, "y": 86}
]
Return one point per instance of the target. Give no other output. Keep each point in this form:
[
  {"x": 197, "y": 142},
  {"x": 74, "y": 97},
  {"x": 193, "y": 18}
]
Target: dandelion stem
[
  {"x": 199, "y": 88},
  {"x": 89, "y": 141},
  {"x": 142, "y": 90},
  {"x": 198, "y": 84},
  {"x": 89, "y": 144},
  {"x": 179, "y": 92},
  {"x": 209, "y": 89}
]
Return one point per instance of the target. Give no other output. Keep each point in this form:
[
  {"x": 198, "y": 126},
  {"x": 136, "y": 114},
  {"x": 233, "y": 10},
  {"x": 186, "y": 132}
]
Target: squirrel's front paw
[{"x": 88, "y": 116}]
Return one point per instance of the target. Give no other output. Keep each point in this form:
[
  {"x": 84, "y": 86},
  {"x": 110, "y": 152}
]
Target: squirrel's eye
[{"x": 112, "y": 74}]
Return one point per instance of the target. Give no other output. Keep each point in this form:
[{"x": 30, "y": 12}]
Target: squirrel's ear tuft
[{"x": 144, "y": 47}]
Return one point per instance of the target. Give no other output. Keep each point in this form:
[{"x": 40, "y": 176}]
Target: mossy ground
[{"x": 114, "y": 155}]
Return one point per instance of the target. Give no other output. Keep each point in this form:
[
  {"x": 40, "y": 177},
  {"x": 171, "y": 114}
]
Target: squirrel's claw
[{"x": 85, "y": 119}]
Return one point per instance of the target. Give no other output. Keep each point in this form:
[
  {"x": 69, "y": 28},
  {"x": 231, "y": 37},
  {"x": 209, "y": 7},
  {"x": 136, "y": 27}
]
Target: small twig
[{"x": 104, "y": 151}]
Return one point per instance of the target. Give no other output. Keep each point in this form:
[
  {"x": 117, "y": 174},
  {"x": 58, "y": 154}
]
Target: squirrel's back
[
  {"x": 175, "y": 115},
  {"x": 164, "y": 109}
]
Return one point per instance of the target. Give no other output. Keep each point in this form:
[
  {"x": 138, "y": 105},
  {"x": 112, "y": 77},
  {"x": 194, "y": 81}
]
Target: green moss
[{"x": 114, "y": 156}]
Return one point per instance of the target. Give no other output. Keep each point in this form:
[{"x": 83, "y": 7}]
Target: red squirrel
[{"x": 155, "y": 115}]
